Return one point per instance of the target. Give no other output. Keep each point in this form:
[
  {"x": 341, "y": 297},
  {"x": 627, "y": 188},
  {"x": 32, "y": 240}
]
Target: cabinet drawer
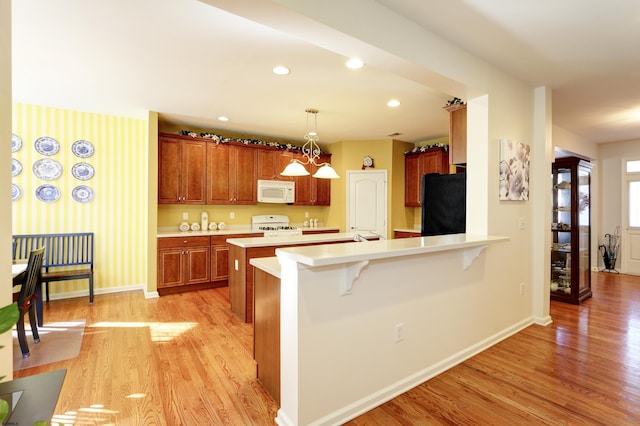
[{"x": 183, "y": 242}]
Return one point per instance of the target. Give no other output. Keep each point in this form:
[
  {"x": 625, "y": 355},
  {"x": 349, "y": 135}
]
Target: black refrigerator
[{"x": 444, "y": 204}]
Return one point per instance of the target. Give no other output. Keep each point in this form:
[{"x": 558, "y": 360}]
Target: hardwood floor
[{"x": 184, "y": 360}]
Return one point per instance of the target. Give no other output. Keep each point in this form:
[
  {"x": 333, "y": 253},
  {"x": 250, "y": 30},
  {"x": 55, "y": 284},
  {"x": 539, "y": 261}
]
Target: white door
[
  {"x": 367, "y": 201},
  {"x": 630, "y": 242}
]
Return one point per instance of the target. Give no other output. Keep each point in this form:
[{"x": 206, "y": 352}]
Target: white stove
[{"x": 274, "y": 225}]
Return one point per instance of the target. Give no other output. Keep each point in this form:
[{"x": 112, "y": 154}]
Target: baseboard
[
  {"x": 381, "y": 396},
  {"x": 98, "y": 291},
  {"x": 544, "y": 321}
]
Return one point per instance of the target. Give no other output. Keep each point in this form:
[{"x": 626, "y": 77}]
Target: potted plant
[{"x": 8, "y": 318}]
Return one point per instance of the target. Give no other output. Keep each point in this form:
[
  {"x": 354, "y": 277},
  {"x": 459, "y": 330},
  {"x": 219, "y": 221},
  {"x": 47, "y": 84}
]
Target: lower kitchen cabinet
[
  {"x": 220, "y": 257},
  {"x": 183, "y": 262}
]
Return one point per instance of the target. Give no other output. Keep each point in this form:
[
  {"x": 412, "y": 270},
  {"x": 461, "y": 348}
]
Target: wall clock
[{"x": 367, "y": 162}]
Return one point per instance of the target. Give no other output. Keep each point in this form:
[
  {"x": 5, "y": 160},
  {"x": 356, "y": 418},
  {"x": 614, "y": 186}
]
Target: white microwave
[{"x": 276, "y": 191}]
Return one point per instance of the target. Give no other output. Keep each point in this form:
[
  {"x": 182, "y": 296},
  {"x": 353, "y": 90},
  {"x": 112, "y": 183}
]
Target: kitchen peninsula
[
  {"x": 361, "y": 323},
  {"x": 242, "y": 250}
]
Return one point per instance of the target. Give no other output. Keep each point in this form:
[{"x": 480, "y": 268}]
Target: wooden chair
[{"x": 27, "y": 297}]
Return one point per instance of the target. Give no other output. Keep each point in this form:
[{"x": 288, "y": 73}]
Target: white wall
[{"x": 611, "y": 163}]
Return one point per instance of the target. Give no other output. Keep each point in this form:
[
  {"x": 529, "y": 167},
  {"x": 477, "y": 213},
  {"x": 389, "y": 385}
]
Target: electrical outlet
[
  {"x": 306, "y": 215},
  {"x": 521, "y": 289},
  {"x": 398, "y": 332},
  {"x": 185, "y": 215},
  {"x": 232, "y": 215},
  {"x": 521, "y": 223}
]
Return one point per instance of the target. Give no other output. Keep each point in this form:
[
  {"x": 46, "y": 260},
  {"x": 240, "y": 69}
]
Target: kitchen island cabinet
[
  {"x": 242, "y": 250},
  {"x": 181, "y": 170},
  {"x": 220, "y": 256},
  {"x": 231, "y": 174}
]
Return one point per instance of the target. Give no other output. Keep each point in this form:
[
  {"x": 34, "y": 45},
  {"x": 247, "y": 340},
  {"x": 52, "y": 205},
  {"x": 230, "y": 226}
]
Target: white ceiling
[{"x": 192, "y": 62}]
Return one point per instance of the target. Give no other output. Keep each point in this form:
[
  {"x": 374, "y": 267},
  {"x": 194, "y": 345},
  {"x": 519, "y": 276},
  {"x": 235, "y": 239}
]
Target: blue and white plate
[
  {"x": 16, "y": 142},
  {"x": 16, "y": 192},
  {"x": 46, "y": 145},
  {"x": 47, "y": 169},
  {"x": 82, "y": 171},
  {"x": 47, "y": 193},
  {"x": 16, "y": 167},
  {"x": 82, "y": 194},
  {"x": 82, "y": 149}
]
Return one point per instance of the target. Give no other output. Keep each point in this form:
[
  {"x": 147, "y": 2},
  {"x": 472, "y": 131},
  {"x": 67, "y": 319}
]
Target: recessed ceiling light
[
  {"x": 393, "y": 103},
  {"x": 281, "y": 70},
  {"x": 354, "y": 63},
  {"x": 223, "y": 118}
]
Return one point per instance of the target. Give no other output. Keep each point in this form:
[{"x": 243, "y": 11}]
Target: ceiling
[{"x": 192, "y": 62}]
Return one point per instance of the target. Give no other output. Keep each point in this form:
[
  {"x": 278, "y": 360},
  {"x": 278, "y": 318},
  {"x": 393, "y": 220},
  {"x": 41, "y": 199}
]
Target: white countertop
[
  {"x": 268, "y": 264},
  {"x": 295, "y": 239},
  {"x": 321, "y": 255}
]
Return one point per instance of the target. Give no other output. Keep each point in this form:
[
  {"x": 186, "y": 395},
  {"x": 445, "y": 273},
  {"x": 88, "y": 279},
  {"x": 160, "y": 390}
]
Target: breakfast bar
[
  {"x": 362, "y": 323},
  {"x": 242, "y": 250}
]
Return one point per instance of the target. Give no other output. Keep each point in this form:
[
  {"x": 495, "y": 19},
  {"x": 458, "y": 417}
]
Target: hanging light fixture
[{"x": 310, "y": 154}]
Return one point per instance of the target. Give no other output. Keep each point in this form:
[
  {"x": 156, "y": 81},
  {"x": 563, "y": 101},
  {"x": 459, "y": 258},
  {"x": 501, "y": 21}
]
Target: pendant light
[{"x": 310, "y": 154}]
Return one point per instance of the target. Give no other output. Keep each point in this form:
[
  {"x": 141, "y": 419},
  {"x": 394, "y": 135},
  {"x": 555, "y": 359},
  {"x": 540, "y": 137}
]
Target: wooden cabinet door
[
  {"x": 219, "y": 262},
  {"x": 197, "y": 265},
  {"x": 170, "y": 267},
  {"x": 272, "y": 162},
  {"x": 457, "y": 134},
  {"x": 321, "y": 188},
  {"x": 218, "y": 172},
  {"x": 433, "y": 160},
  {"x": 169, "y": 171},
  {"x": 243, "y": 179},
  {"x": 412, "y": 180},
  {"x": 181, "y": 171},
  {"x": 194, "y": 172}
]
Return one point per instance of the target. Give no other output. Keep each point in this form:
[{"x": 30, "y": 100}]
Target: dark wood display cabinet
[
  {"x": 431, "y": 160},
  {"x": 571, "y": 230}
]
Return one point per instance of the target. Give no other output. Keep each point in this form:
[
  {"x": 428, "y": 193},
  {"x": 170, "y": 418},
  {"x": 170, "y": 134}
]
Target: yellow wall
[{"x": 118, "y": 213}]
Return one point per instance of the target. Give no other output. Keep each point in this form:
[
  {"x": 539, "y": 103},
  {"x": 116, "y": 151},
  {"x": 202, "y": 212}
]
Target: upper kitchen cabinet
[
  {"x": 181, "y": 170},
  {"x": 231, "y": 174},
  {"x": 457, "y": 134},
  {"x": 273, "y": 161},
  {"x": 432, "y": 160},
  {"x": 312, "y": 191}
]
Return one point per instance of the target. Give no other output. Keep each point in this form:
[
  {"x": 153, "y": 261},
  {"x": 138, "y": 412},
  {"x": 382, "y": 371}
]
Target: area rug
[{"x": 59, "y": 341}]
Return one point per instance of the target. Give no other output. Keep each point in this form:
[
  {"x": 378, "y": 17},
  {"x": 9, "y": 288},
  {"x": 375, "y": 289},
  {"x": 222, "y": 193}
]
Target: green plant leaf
[
  {"x": 8, "y": 317},
  {"x": 4, "y": 410}
]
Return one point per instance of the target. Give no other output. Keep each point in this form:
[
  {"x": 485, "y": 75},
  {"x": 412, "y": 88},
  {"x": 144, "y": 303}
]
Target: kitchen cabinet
[
  {"x": 457, "y": 134},
  {"x": 273, "y": 161},
  {"x": 231, "y": 174},
  {"x": 432, "y": 160},
  {"x": 312, "y": 191},
  {"x": 182, "y": 165},
  {"x": 571, "y": 230},
  {"x": 405, "y": 234},
  {"x": 220, "y": 256},
  {"x": 183, "y": 261}
]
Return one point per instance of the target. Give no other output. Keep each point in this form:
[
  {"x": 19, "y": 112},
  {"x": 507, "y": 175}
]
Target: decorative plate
[
  {"x": 47, "y": 169},
  {"x": 46, "y": 145},
  {"x": 47, "y": 193},
  {"x": 82, "y": 194},
  {"x": 16, "y": 192},
  {"x": 16, "y": 167},
  {"x": 82, "y": 171},
  {"x": 16, "y": 142},
  {"x": 82, "y": 149}
]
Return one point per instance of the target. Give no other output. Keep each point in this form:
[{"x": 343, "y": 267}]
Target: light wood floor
[{"x": 184, "y": 360}]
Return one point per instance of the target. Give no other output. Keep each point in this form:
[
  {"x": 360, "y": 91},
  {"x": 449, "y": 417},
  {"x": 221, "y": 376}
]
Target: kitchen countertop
[
  {"x": 232, "y": 230},
  {"x": 250, "y": 242},
  {"x": 270, "y": 265},
  {"x": 321, "y": 255}
]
